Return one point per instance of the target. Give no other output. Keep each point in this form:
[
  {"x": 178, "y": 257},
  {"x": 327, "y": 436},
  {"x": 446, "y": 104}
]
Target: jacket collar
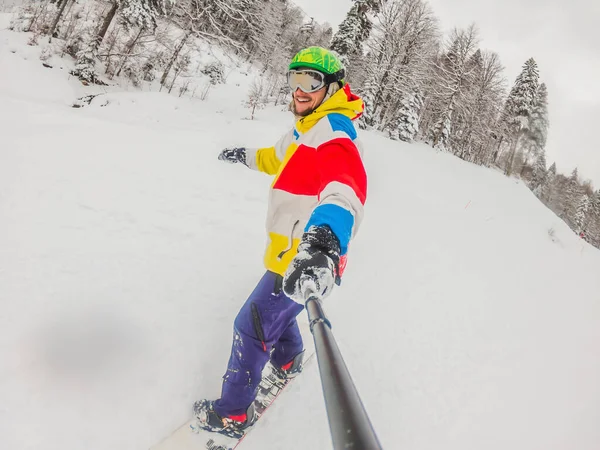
[{"x": 343, "y": 102}]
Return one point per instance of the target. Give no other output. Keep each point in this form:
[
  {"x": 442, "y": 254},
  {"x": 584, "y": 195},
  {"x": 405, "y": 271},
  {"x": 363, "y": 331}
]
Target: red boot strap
[
  {"x": 239, "y": 418},
  {"x": 288, "y": 366}
]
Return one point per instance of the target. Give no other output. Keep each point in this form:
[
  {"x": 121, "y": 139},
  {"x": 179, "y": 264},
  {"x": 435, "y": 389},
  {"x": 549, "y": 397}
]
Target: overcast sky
[{"x": 564, "y": 39}]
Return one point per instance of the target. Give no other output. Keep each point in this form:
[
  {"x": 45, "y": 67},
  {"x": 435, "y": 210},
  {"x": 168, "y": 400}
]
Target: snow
[
  {"x": 469, "y": 314},
  {"x": 9, "y": 5}
]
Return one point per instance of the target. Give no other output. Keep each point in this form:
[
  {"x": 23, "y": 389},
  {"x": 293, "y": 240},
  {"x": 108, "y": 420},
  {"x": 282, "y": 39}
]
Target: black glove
[
  {"x": 233, "y": 155},
  {"x": 315, "y": 266}
]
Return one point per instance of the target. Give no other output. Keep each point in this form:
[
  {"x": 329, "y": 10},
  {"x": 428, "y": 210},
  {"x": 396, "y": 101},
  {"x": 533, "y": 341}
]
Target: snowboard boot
[
  {"x": 233, "y": 426},
  {"x": 291, "y": 369}
]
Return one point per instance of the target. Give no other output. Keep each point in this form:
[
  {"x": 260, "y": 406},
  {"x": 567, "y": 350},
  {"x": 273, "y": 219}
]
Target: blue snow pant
[{"x": 267, "y": 321}]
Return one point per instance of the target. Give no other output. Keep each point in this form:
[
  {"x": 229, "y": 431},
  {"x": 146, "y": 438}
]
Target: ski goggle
[{"x": 307, "y": 80}]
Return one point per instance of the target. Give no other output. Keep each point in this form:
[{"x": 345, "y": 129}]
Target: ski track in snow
[{"x": 128, "y": 248}]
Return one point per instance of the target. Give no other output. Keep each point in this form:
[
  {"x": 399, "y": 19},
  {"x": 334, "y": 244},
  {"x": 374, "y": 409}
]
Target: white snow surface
[{"x": 469, "y": 314}]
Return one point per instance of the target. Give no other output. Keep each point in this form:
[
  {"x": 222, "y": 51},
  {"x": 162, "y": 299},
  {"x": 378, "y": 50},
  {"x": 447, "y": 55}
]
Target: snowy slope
[
  {"x": 127, "y": 249},
  {"x": 8, "y": 5}
]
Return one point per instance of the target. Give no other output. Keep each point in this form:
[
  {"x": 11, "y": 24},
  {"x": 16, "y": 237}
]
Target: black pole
[{"x": 348, "y": 420}]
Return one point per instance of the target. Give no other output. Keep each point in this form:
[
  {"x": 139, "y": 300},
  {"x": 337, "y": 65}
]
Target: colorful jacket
[{"x": 319, "y": 179}]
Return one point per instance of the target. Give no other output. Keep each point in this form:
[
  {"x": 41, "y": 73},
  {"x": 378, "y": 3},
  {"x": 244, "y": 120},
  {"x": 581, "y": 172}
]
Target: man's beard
[
  {"x": 304, "y": 113},
  {"x": 331, "y": 89}
]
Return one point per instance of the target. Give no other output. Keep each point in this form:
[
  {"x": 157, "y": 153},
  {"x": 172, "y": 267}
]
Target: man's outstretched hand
[
  {"x": 233, "y": 155},
  {"x": 315, "y": 266}
]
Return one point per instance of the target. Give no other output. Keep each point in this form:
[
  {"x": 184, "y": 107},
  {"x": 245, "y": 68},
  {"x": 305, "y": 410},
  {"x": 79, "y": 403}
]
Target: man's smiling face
[{"x": 306, "y": 103}]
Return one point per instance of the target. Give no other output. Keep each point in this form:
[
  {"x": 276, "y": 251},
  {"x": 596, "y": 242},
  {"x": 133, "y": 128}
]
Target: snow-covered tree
[
  {"x": 173, "y": 59},
  {"x": 484, "y": 88},
  {"x": 581, "y": 210},
  {"x": 134, "y": 13},
  {"x": 407, "y": 121},
  {"x": 232, "y": 24},
  {"x": 229, "y": 23},
  {"x": 279, "y": 37},
  {"x": 534, "y": 139},
  {"x": 354, "y": 30},
  {"x": 241, "y": 21},
  {"x": 61, "y": 9},
  {"x": 84, "y": 48},
  {"x": 539, "y": 123},
  {"x": 548, "y": 185},
  {"x": 85, "y": 65},
  {"x": 518, "y": 109},
  {"x": 369, "y": 118},
  {"x": 440, "y": 135},
  {"x": 520, "y": 102},
  {"x": 280, "y": 24},
  {"x": 454, "y": 74},
  {"x": 571, "y": 197},
  {"x": 592, "y": 228},
  {"x": 257, "y": 96},
  {"x": 143, "y": 13},
  {"x": 398, "y": 63},
  {"x": 215, "y": 72},
  {"x": 539, "y": 173},
  {"x": 310, "y": 34}
]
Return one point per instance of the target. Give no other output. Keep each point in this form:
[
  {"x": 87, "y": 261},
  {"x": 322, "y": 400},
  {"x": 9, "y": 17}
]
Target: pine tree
[
  {"x": 407, "y": 121},
  {"x": 520, "y": 101},
  {"x": 354, "y": 30},
  {"x": 548, "y": 185},
  {"x": 142, "y": 13},
  {"x": 443, "y": 128},
  {"x": 539, "y": 173},
  {"x": 84, "y": 67},
  {"x": 369, "y": 119},
  {"x": 581, "y": 211},
  {"x": 571, "y": 198},
  {"x": 86, "y": 44},
  {"x": 593, "y": 220},
  {"x": 518, "y": 109},
  {"x": 539, "y": 123},
  {"x": 534, "y": 139}
]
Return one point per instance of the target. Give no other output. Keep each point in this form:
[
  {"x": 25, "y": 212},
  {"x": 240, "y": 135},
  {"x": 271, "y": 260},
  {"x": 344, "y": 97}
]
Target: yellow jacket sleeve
[{"x": 267, "y": 160}]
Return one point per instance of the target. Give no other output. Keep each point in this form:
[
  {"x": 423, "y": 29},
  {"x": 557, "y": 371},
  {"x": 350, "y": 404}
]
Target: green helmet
[{"x": 321, "y": 59}]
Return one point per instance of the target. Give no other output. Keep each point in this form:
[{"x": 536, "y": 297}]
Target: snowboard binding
[{"x": 208, "y": 419}]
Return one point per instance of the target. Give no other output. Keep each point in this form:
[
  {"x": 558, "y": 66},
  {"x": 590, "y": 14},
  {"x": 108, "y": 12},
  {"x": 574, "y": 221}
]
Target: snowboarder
[{"x": 315, "y": 207}]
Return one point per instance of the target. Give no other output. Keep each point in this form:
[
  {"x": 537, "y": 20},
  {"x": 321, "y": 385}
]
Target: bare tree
[
  {"x": 174, "y": 56},
  {"x": 398, "y": 60},
  {"x": 61, "y": 10},
  {"x": 483, "y": 97},
  {"x": 257, "y": 97},
  {"x": 454, "y": 73}
]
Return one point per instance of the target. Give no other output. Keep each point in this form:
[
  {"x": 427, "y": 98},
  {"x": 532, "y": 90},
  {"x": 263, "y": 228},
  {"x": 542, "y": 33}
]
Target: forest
[{"x": 417, "y": 84}]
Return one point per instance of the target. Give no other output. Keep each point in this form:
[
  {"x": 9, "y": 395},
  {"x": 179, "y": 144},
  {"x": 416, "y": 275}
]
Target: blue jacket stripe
[
  {"x": 339, "y": 219},
  {"x": 340, "y": 122}
]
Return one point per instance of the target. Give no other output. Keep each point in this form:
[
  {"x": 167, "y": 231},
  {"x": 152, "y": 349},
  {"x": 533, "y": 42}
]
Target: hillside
[{"x": 469, "y": 315}]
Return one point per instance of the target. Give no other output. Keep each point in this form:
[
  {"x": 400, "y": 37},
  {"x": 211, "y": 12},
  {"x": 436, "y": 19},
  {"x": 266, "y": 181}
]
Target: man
[{"x": 315, "y": 207}]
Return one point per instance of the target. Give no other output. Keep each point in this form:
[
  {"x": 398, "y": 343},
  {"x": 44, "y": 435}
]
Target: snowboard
[{"x": 191, "y": 437}]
